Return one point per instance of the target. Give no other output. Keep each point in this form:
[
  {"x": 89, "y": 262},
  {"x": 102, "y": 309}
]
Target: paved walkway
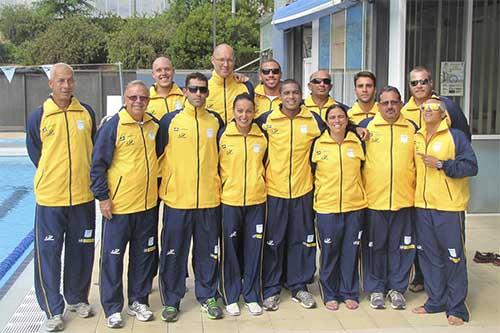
[{"x": 483, "y": 233}]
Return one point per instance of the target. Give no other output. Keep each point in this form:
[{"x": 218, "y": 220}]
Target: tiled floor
[{"x": 483, "y": 233}]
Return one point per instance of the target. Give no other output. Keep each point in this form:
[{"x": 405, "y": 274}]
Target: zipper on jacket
[
  {"x": 448, "y": 188},
  {"x": 425, "y": 178},
  {"x": 69, "y": 157},
  {"x": 117, "y": 187},
  {"x": 291, "y": 149},
  {"x": 147, "y": 166},
  {"x": 166, "y": 104},
  {"x": 198, "y": 155},
  {"x": 390, "y": 184},
  {"x": 225, "y": 104},
  {"x": 245, "y": 179},
  {"x": 341, "y": 172}
]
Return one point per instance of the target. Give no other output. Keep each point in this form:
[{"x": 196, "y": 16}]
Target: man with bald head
[
  {"x": 164, "y": 95},
  {"x": 320, "y": 85},
  {"x": 222, "y": 85},
  {"x": 60, "y": 138}
]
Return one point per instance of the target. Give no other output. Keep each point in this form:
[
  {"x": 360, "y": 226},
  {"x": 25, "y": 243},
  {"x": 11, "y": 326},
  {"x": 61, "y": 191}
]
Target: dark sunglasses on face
[
  {"x": 325, "y": 81},
  {"x": 138, "y": 97},
  {"x": 194, "y": 89},
  {"x": 267, "y": 71},
  {"x": 423, "y": 82}
]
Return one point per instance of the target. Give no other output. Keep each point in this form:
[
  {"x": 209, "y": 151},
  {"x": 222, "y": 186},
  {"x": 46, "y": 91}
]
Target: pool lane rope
[{"x": 17, "y": 253}]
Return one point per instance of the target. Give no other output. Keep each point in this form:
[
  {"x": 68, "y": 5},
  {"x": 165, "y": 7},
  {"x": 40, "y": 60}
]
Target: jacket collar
[
  {"x": 260, "y": 91},
  {"x": 175, "y": 90},
  {"x": 443, "y": 127},
  {"x": 232, "y": 130},
  {"x": 349, "y": 137},
  {"x": 356, "y": 109},
  {"x": 125, "y": 117},
  {"x": 219, "y": 80},
  {"x": 191, "y": 110},
  {"x": 309, "y": 102},
  {"x": 303, "y": 113},
  {"x": 50, "y": 107},
  {"x": 378, "y": 120}
]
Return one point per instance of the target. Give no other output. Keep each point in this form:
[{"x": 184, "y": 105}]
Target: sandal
[
  {"x": 484, "y": 257},
  {"x": 332, "y": 305},
  {"x": 351, "y": 304}
]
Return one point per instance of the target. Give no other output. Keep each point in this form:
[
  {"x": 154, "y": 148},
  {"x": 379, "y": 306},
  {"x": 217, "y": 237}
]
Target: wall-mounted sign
[{"x": 452, "y": 78}]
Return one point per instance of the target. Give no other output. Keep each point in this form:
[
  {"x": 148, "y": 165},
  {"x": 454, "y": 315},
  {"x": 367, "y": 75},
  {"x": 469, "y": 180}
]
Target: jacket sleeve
[
  {"x": 33, "y": 141},
  {"x": 457, "y": 117},
  {"x": 162, "y": 135},
  {"x": 321, "y": 124},
  {"x": 102, "y": 157},
  {"x": 465, "y": 162},
  {"x": 251, "y": 90}
]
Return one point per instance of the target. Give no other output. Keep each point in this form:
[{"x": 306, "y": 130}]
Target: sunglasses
[
  {"x": 387, "y": 103},
  {"x": 270, "y": 70},
  {"x": 195, "y": 89},
  {"x": 431, "y": 107},
  {"x": 318, "y": 81},
  {"x": 135, "y": 98},
  {"x": 423, "y": 82}
]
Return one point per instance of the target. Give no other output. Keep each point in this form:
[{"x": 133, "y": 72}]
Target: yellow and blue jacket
[
  {"x": 338, "y": 185},
  {"x": 189, "y": 158},
  {"x": 125, "y": 163},
  {"x": 222, "y": 92},
  {"x": 356, "y": 115},
  {"x": 158, "y": 105},
  {"x": 60, "y": 145},
  {"x": 389, "y": 170},
  {"x": 446, "y": 189},
  {"x": 263, "y": 103},
  {"x": 241, "y": 165},
  {"x": 309, "y": 103},
  {"x": 454, "y": 115},
  {"x": 288, "y": 171}
]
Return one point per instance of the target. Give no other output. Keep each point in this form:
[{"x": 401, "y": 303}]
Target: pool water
[{"x": 17, "y": 208}]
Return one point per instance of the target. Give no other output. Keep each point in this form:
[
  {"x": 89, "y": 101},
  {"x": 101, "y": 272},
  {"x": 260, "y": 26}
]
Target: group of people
[{"x": 255, "y": 180}]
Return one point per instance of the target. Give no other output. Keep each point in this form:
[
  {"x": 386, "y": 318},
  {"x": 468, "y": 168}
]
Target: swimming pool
[{"x": 17, "y": 208}]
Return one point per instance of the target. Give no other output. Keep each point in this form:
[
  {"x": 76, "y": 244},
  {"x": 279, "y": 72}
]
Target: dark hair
[
  {"x": 243, "y": 97},
  {"x": 389, "y": 89},
  {"x": 268, "y": 61},
  {"x": 333, "y": 107},
  {"x": 290, "y": 81},
  {"x": 196, "y": 75},
  {"x": 367, "y": 74}
]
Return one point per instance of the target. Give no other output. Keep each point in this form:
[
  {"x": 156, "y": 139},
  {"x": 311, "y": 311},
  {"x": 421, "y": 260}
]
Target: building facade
[{"x": 456, "y": 39}]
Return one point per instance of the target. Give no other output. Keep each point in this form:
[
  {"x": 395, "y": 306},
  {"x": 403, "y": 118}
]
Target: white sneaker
[
  {"x": 233, "y": 309},
  {"x": 140, "y": 311},
  {"x": 115, "y": 320},
  {"x": 82, "y": 309},
  {"x": 254, "y": 308},
  {"x": 54, "y": 323}
]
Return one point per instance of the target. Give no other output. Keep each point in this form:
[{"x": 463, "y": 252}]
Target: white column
[
  {"x": 315, "y": 46},
  {"x": 397, "y": 41}
]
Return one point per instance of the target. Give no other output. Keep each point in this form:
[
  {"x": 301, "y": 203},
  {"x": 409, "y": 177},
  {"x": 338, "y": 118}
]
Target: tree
[
  {"x": 74, "y": 40},
  {"x": 20, "y": 23},
  {"x": 64, "y": 8},
  {"x": 6, "y": 53},
  {"x": 139, "y": 41},
  {"x": 191, "y": 45}
]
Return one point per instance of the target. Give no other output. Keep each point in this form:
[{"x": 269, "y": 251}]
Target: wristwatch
[{"x": 439, "y": 165}]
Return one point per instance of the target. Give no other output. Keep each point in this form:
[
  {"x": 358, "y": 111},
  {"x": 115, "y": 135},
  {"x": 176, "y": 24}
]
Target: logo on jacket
[
  {"x": 256, "y": 148},
  {"x": 210, "y": 133},
  {"x": 350, "y": 153},
  {"x": 47, "y": 131},
  {"x": 151, "y": 135},
  {"x": 404, "y": 138},
  {"x": 303, "y": 129},
  {"x": 327, "y": 241},
  {"x": 171, "y": 252},
  {"x": 437, "y": 147},
  {"x": 127, "y": 140},
  {"x": 80, "y": 124},
  {"x": 115, "y": 252},
  {"x": 49, "y": 238}
]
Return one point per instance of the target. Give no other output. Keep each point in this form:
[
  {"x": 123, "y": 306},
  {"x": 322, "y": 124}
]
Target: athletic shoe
[
  {"x": 254, "y": 308},
  {"x": 305, "y": 299},
  {"x": 212, "y": 309},
  {"x": 54, "y": 323},
  {"x": 377, "y": 301},
  {"x": 169, "y": 314},
  {"x": 397, "y": 299},
  {"x": 82, "y": 309},
  {"x": 115, "y": 320},
  {"x": 483, "y": 257},
  {"x": 271, "y": 303},
  {"x": 140, "y": 311},
  {"x": 233, "y": 309}
]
